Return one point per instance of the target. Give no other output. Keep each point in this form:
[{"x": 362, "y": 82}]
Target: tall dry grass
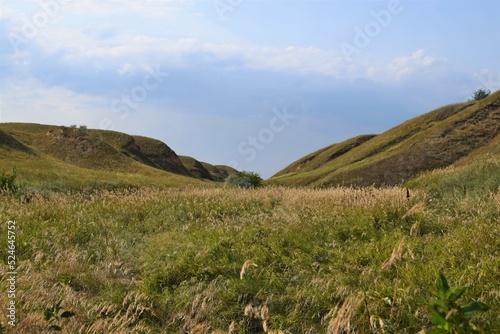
[{"x": 193, "y": 260}]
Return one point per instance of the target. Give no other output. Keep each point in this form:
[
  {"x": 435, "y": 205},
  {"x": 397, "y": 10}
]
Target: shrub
[
  {"x": 8, "y": 181},
  {"x": 245, "y": 179},
  {"x": 480, "y": 94}
]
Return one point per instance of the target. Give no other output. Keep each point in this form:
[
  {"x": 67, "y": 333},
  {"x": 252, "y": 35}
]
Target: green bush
[
  {"x": 480, "y": 94},
  {"x": 245, "y": 179},
  {"x": 8, "y": 182}
]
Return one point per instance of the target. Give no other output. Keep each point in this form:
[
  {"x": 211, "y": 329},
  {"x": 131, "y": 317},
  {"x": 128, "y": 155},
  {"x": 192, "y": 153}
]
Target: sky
[{"x": 251, "y": 84}]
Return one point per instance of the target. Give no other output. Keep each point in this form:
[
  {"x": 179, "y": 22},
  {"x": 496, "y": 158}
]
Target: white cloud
[
  {"x": 402, "y": 67},
  {"x": 297, "y": 59},
  {"x": 418, "y": 57},
  {"x": 124, "y": 49},
  {"x": 128, "y": 50},
  {"x": 126, "y": 68},
  {"x": 6, "y": 12},
  {"x": 142, "y": 8},
  {"x": 31, "y": 101}
]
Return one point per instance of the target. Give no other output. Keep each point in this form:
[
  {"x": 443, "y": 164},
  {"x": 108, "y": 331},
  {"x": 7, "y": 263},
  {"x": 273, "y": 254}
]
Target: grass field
[{"x": 226, "y": 260}]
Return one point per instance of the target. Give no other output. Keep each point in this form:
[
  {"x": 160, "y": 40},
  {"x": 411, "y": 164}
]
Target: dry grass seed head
[
  {"x": 377, "y": 324},
  {"x": 395, "y": 256},
  {"x": 415, "y": 229},
  {"x": 341, "y": 317},
  {"x": 248, "y": 264},
  {"x": 264, "y": 312},
  {"x": 232, "y": 327},
  {"x": 200, "y": 329},
  {"x": 419, "y": 207}
]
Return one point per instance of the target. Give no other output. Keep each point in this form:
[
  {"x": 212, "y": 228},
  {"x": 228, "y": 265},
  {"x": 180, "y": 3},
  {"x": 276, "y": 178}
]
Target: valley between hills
[{"x": 397, "y": 232}]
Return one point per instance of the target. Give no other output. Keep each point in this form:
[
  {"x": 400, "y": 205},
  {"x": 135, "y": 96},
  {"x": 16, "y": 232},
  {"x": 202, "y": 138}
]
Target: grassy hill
[
  {"x": 434, "y": 140},
  {"x": 161, "y": 155},
  {"x": 68, "y": 157},
  {"x": 206, "y": 171}
]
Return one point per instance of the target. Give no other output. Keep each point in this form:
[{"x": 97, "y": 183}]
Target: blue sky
[{"x": 254, "y": 84}]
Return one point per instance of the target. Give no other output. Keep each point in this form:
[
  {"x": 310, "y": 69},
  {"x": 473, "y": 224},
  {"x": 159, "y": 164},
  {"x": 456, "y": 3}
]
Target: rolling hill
[
  {"x": 457, "y": 133},
  {"x": 206, "y": 171},
  {"x": 56, "y": 156}
]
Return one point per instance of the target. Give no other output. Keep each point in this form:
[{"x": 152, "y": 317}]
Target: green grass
[
  {"x": 482, "y": 177},
  {"x": 433, "y": 140},
  {"x": 61, "y": 158},
  {"x": 199, "y": 260},
  {"x": 53, "y": 174}
]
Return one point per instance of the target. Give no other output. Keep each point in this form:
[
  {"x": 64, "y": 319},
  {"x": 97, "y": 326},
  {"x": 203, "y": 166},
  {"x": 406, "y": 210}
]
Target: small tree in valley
[{"x": 245, "y": 179}]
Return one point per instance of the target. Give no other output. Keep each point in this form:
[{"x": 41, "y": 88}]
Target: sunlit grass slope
[
  {"x": 161, "y": 155},
  {"x": 67, "y": 158},
  {"x": 206, "y": 171},
  {"x": 433, "y": 140}
]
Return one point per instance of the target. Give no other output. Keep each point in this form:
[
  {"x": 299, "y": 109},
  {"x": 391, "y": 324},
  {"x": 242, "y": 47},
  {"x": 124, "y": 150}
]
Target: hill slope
[
  {"x": 206, "y": 171},
  {"x": 161, "y": 155},
  {"x": 433, "y": 140},
  {"x": 56, "y": 156}
]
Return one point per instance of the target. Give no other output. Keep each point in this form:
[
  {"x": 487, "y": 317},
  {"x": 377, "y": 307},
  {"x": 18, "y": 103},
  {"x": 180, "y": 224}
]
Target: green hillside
[
  {"x": 206, "y": 171},
  {"x": 161, "y": 155},
  {"x": 69, "y": 157},
  {"x": 218, "y": 173},
  {"x": 433, "y": 140}
]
